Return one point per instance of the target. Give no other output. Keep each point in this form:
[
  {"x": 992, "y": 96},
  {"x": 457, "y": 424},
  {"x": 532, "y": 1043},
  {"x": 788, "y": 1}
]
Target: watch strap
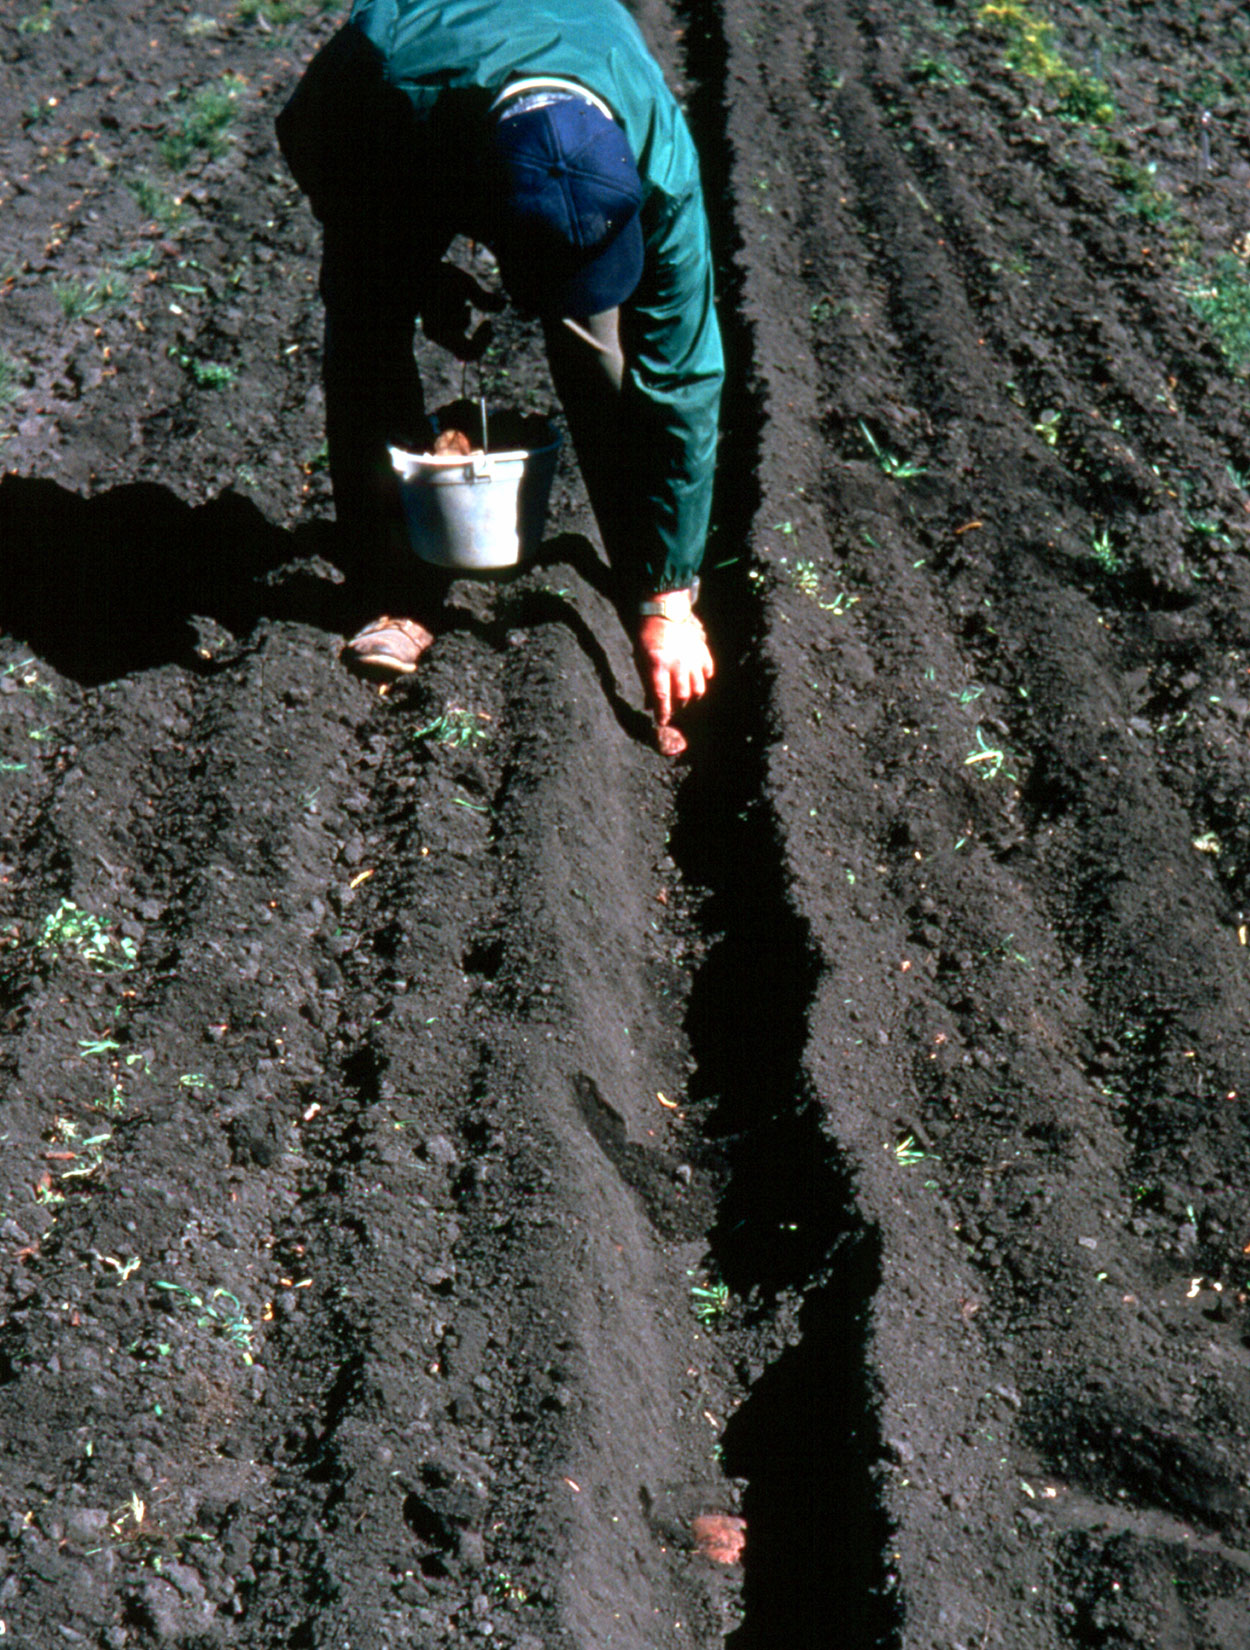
[{"x": 662, "y": 606}]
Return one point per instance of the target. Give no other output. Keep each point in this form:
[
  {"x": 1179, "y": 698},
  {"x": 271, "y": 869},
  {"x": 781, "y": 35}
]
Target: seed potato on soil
[{"x": 463, "y": 1177}]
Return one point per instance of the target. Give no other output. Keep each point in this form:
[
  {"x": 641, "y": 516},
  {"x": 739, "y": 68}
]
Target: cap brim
[{"x": 602, "y": 282}]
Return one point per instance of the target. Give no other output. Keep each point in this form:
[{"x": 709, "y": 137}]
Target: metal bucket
[{"x": 480, "y": 511}]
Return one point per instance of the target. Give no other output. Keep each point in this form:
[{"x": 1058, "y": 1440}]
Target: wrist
[{"x": 674, "y": 605}]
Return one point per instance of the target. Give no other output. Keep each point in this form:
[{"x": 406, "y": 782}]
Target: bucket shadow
[
  {"x": 104, "y": 586},
  {"x": 575, "y": 551}
]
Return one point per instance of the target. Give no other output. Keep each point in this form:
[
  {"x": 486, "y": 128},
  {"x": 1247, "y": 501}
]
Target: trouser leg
[
  {"x": 374, "y": 399},
  {"x": 588, "y": 374}
]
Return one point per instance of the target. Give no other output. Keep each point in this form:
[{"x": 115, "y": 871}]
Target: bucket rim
[{"x": 458, "y": 461}]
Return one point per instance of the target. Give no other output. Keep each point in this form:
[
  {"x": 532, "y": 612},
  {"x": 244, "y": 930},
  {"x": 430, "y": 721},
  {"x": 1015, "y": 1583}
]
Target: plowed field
[{"x": 446, "y": 1150}]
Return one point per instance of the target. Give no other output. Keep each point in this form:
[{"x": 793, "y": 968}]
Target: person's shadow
[{"x": 104, "y": 586}]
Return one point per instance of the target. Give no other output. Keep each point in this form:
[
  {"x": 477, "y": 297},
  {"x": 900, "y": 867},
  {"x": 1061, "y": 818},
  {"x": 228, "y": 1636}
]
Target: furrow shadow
[{"x": 787, "y": 1238}]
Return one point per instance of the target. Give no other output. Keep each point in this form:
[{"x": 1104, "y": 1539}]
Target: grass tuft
[
  {"x": 82, "y": 298},
  {"x": 206, "y": 114},
  {"x": 1031, "y": 51},
  {"x": 156, "y": 203},
  {"x": 1221, "y": 298}
]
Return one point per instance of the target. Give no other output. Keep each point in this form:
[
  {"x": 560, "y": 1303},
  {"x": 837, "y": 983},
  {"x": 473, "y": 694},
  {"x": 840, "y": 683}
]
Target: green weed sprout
[
  {"x": 503, "y": 1586},
  {"x": 805, "y": 576},
  {"x": 207, "y": 375},
  {"x": 1104, "y": 552},
  {"x": 711, "y": 1301},
  {"x": 898, "y": 469},
  {"x": 989, "y": 759},
  {"x": 79, "y": 299},
  {"x": 212, "y": 375},
  {"x": 156, "y": 203},
  {"x": 1047, "y": 427},
  {"x": 936, "y": 71},
  {"x": 1221, "y": 297},
  {"x": 807, "y": 579},
  {"x": 36, "y": 22},
  {"x": 456, "y": 727},
  {"x": 91, "y": 1152},
  {"x": 112, "y": 1104},
  {"x": 88, "y": 1046},
  {"x": 71, "y": 930},
  {"x": 222, "y": 1311},
  {"x": 27, "y": 678}
]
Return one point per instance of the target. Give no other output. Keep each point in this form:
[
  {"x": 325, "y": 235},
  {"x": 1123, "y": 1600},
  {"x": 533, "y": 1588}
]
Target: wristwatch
[{"x": 673, "y": 604}]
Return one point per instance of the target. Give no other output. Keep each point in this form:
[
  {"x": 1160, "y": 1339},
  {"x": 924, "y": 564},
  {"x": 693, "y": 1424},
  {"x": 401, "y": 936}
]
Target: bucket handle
[{"x": 481, "y": 397}]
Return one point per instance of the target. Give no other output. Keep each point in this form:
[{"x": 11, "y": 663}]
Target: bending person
[{"x": 544, "y": 130}]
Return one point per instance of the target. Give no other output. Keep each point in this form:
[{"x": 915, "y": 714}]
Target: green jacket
[{"x": 379, "y": 135}]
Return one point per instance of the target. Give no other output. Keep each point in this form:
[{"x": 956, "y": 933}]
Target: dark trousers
[{"x": 374, "y": 399}]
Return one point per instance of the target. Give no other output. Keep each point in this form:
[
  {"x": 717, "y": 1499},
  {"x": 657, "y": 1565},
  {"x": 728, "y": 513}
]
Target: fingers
[
  {"x": 661, "y": 696},
  {"x": 691, "y": 673},
  {"x": 682, "y": 687},
  {"x": 675, "y": 665},
  {"x": 701, "y": 673}
]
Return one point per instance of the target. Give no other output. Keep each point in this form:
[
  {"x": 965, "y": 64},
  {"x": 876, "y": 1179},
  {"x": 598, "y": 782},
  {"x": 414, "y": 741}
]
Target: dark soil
[{"x": 444, "y": 1149}]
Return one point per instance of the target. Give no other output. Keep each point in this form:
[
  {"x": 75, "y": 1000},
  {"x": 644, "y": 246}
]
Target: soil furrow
[
  {"x": 790, "y": 1235},
  {"x": 976, "y": 902},
  {"x": 515, "y": 1112}
]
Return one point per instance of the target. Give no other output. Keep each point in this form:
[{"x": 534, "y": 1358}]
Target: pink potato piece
[
  {"x": 720, "y": 1537},
  {"x": 447, "y": 442},
  {"x": 670, "y": 741}
]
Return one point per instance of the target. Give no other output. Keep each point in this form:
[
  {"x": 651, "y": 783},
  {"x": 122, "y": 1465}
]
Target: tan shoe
[{"x": 387, "y": 648}]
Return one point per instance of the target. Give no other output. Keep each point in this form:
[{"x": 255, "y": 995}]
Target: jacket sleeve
[{"x": 675, "y": 370}]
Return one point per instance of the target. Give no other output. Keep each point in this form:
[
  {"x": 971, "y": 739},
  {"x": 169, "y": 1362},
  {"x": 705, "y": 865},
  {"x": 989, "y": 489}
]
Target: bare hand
[
  {"x": 674, "y": 663},
  {"x": 447, "y": 312}
]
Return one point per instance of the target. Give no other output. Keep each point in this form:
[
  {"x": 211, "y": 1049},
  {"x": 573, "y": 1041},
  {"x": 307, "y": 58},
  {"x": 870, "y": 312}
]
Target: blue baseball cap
[{"x": 564, "y": 200}]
